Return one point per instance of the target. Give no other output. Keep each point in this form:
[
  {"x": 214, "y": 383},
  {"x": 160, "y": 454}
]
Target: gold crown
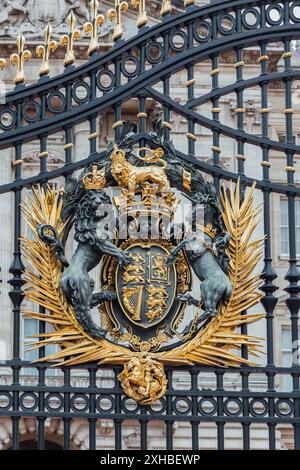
[
  {"x": 95, "y": 179},
  {"x": 208, "y": 230}
]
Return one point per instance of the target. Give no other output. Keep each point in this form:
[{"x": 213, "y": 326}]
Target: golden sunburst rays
[
  {"x": 219, "y": 344},
  {"x": 216, "y": 344}
]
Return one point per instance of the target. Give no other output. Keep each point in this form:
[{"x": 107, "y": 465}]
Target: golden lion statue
[{"x": 130, "y": 177}]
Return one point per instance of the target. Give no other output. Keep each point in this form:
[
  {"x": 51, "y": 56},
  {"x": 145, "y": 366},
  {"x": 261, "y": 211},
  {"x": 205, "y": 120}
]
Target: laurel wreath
[{"x": 218, "y": 344}]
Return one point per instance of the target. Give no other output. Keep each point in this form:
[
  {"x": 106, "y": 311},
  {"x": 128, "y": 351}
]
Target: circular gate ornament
[{"x": 148, "y": 279}]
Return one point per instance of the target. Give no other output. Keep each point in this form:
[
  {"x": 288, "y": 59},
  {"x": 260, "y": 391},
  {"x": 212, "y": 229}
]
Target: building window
[{"x": 284, "y": 227}]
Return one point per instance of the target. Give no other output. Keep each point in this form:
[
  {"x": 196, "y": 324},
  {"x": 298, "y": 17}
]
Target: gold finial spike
[
  {"x": 44, "y": 51},
  {"x": 142, "y": 16},
  {"x": 116, "y": 14},
  {"x": 19, "y": 58},
  {"x": 91, "y": 27},
  {"x": 3, "y": 64},
  {"x": 188, "y": 3},
  {"x": 67, "y": 40},
  {"x": 166, "y": 7}
]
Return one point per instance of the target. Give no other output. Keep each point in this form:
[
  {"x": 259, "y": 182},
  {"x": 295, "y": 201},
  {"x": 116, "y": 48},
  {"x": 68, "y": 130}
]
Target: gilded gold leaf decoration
[{"x": 218, "y": 343}]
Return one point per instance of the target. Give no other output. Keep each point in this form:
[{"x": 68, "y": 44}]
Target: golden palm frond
[
  {"x": 214, "y": 345},
  {"x": 42, "y": 277}
]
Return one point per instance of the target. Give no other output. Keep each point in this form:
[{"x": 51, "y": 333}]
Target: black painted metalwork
[{"x": 58, "y": 104}]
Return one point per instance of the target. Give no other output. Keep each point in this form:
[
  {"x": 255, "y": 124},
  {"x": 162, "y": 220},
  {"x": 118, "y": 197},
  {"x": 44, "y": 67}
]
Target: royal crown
[
  {"x": 95, "y": 179},
  {"x": 208, "y": 230}
]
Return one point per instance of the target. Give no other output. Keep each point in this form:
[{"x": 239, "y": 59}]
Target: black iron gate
[{"x": 143, "y": 68}]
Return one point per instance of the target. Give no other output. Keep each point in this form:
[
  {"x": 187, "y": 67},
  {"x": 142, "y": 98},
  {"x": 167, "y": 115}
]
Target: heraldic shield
[
  {"x": 164, "y": 297},
  {"x": 146, "y": 288}
]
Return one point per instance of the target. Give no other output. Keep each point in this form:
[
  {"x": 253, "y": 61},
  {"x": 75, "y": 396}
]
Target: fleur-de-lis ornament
[
  {"x": 166, "y": 7},
  {"x": 3, "y": 64},
  {"x": 67, "y": 40},
  {"x": 44, "y": 51},
  {"x": 142, "y": 16},
  {"x": 116, "y": 14},
  {"x": 91, "y": 27},
  {"x": 20, "y": 58},
  {"x": 188, "y": 3}
]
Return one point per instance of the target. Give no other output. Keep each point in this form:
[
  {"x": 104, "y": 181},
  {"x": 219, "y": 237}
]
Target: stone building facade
[{"x": 29, "y": 17}]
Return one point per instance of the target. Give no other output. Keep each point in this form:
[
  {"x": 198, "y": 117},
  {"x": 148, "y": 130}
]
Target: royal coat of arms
[{"x": 167, "y": 295}]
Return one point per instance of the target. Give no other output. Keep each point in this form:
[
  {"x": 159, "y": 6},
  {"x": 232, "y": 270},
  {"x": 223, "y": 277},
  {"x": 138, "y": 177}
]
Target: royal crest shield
[{"x": 146, "y": 288}]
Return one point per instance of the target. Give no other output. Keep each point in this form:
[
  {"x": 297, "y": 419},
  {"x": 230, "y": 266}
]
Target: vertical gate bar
[
  {"x": 191, "y": 93},
  {"x": 118, "y": 106},
  {"x": 142, "y": 113},
  {"x": 296, "y": 389},
  {"x": 67, "y": 407},
  {"x": 240, "y": 157},
  {"x": 220, "y": 424},
  {"x": 169, "y": 422},
  {"x": 92, "y": 408},
  {"x": 166, "y": 112},
  {"x": 215, "y": 114},
  {"x": 93, "y": 134},
  {"x": 293, "y": 274},
  {"x": 245, "y": 401},
  {"x": 15, "y": 419},
  {"x": 166, "y": 88},
  {"x": 43, "y": 168},
  {"x": 118, "y": 410},
  {"x": 68, "y": 147},
  {"x": 269, "y": 301},
  {"x": 195, "y": 412},
  {"x": 144, "y": 430},
  {"x": 43, "y": 155},
  {"x": 16, "y": 294},
  {"x": 118, "y": 119},
  {"x": 142, "y": 117},
  {"x": 17, "y": 266},
  {"x": 41, "y": 402},
  {"x": 240, "y": 113},
  {"x": 68, "y": 144}
]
